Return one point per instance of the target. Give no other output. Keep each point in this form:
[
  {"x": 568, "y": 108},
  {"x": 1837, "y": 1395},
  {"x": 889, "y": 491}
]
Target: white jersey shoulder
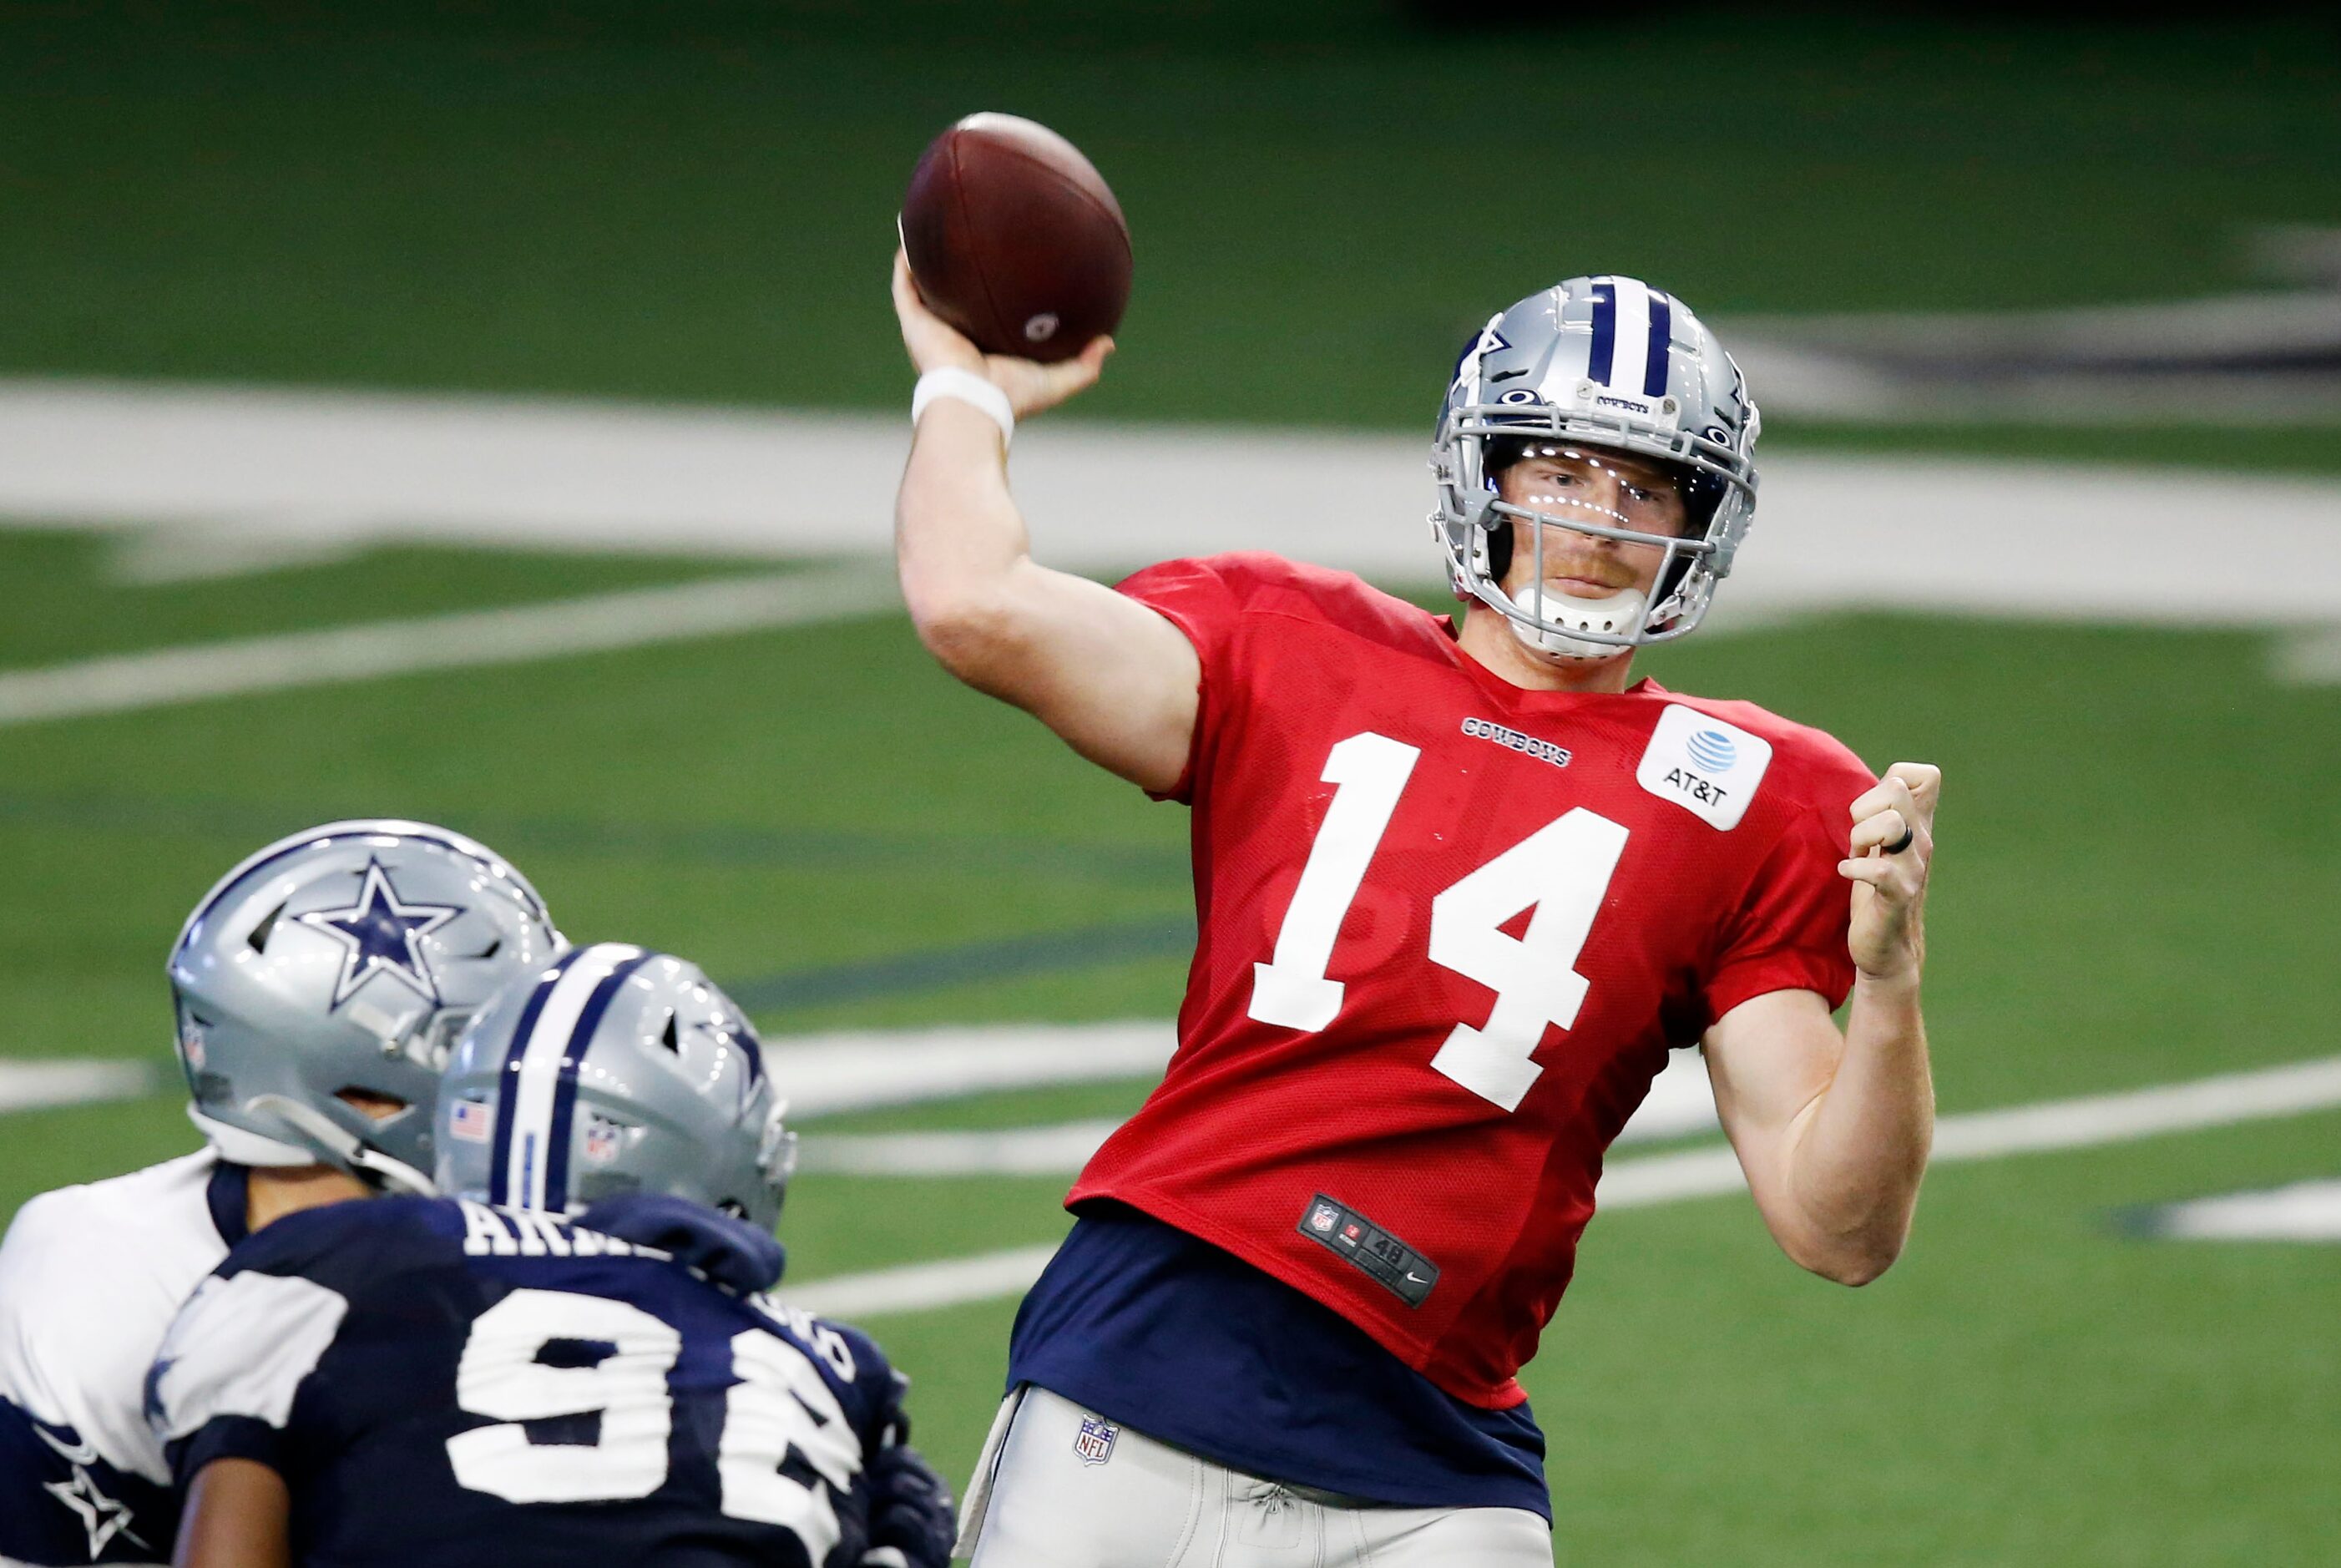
[{"x": 90, "y": 1279}]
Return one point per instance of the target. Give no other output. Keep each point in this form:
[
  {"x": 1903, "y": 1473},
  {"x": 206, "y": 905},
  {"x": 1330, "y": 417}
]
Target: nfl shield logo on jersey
[
  {"x": 1323, "y": 1218},
  {"x": 1094, "y": 1442}
]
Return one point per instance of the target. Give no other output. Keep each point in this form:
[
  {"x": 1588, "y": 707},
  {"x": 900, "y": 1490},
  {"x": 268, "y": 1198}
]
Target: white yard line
[
  {"x": 869, "y": 1070},
  {"x": 1058, "y": 1150},
  {"x": 862, "y": 1069},
  {"x": 249, "y": 475},
  {"x": 2084, "y": 1122},
  {"x": 916, "y": 1287},
  {"x": 637, "y": 618},
  {"x": 2310, "y": 656},
  {"x": 37, "y": 1085},
  {"x": 2302, "y": 1211}
]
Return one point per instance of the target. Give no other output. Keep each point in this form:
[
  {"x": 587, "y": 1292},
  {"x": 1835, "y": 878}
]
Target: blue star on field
[{"x": 383, "y": 936}]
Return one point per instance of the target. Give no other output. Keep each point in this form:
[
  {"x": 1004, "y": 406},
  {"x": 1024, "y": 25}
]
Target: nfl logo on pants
[{"x": 1094, "y": 1442}]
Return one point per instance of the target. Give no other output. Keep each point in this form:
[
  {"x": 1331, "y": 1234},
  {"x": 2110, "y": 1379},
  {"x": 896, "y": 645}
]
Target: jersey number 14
[{"x": 1562, "y": 871}]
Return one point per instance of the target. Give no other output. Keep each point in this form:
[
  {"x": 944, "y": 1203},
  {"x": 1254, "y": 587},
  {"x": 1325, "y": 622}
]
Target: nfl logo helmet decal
[
  {"x": 1093, "y": 1443},
  {"x": 603, "y": 1140}
]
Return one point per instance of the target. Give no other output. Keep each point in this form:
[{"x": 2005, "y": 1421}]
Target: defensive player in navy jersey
[
  {"x": 496, "y": 1378},
  {"x": 1459, "y": 889},
  {"x": 318, "y": 988}
]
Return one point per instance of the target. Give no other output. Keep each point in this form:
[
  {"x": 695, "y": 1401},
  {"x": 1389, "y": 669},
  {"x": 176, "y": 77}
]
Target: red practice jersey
[{"x": 1448, "y": 929}]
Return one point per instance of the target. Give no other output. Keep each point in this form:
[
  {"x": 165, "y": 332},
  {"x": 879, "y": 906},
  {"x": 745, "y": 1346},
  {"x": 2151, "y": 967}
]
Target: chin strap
[
  {"x": 337, "y": 1146},
  {"x": 1620, "y": 615}
]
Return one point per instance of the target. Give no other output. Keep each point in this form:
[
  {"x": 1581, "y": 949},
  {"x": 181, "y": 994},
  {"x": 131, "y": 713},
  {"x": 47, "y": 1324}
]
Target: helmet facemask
[
  {"x": 1684, "y": 408},
  {"x": 1565, "y": 512}
]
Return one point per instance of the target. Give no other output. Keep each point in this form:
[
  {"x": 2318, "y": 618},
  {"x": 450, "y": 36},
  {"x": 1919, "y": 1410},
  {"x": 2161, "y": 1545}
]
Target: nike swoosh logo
[
  {"x": 1418, "y": 1279},
  {"x": 1508, "y": 375}
]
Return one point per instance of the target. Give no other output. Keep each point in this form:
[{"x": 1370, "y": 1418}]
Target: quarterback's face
[{"x": 1606, "y": 489}]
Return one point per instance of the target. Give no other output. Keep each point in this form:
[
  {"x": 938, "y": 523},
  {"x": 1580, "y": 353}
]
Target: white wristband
[{"x": 968, "y": 387}]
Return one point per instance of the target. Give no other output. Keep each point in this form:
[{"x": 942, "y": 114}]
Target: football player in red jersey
[{"x": 1459, "y": 889}]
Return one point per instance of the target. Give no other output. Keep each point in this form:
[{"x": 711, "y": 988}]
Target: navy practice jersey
[{"x": 441, "y": 1382}]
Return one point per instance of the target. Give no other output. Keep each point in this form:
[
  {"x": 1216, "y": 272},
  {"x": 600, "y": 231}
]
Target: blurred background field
[{"x": 691, "y": 205}]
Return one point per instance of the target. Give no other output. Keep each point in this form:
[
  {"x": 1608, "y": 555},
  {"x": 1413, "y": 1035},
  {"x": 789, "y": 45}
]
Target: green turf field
[
  {"x": 2137, "y": 838},
  {"x": 2141, "y": 834},
  {"x": 696, "y": 201}
]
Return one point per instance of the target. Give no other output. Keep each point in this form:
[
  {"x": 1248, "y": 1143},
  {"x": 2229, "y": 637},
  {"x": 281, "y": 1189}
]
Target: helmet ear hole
[
  {"x": 258, "y": 939},
  {"x": 669, "y": 1037}
]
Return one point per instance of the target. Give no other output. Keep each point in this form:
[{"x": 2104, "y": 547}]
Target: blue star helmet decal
[{"x": 382, "y": 935}]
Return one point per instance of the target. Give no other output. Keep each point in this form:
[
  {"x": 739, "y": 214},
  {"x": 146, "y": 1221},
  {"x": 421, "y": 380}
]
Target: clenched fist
[{"x": 1893, "y": 846}]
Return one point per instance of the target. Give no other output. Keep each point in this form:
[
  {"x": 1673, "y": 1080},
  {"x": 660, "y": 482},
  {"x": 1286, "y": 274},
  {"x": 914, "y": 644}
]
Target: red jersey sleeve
[
  {"x": 1196, "y": 597},
  {"x": 1789, "y": 932}
]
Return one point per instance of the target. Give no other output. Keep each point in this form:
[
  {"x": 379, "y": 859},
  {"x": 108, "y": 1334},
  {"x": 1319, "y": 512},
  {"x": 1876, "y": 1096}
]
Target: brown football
[{"x": 1015, "y": 240}]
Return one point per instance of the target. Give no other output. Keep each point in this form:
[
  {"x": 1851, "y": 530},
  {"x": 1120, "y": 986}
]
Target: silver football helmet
[
  {"x": 1613, "y": 364},
  {"x": 614, "y": 1070},
  {"x": 348, "y": 957}
]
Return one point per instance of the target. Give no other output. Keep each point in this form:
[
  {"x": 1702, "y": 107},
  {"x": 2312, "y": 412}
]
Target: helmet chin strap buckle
[{"x": 1551, "y": 632}]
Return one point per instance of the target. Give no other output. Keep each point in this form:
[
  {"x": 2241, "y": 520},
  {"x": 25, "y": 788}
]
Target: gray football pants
[{"x": 1038, "y": 1502}]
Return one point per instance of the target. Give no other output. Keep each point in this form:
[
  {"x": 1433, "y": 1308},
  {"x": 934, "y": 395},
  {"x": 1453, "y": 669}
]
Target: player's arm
[
  {"x": 1116, "y": 680},
  {"x": 238, "y": 1515},
  {"x": 1833, "y": 1130}
]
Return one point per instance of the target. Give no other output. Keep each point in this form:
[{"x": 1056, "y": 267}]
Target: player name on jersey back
[{"x": 449, "y": 1382}]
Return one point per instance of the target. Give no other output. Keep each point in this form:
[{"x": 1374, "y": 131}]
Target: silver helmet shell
[
  {"x": 345, "y": 957},
  {"x": 614, "y": 1070},
  {"x": 1609, "y": 362}
]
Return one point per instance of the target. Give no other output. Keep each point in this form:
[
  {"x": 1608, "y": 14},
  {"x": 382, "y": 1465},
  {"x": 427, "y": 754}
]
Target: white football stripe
[
  {"x": 2302, "y": 1211},
  {"x": 860, "y": 1070},
  {"x": 161, "y": 677},
  {"x": 540, "y": 1069},
  {"x": 32, "y": 1085},
  {"x": 2292, "y": 1090},
  {"x": 917, "y": 1287},
  {"x": 2094, "y": 1120},
  {"x": 1680, "y": 1104},
  {"x": 235, "y": 469},
  {"x": 1633, "y": 344}
]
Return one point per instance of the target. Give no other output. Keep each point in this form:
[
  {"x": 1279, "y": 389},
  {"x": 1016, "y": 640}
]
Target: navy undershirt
[
  {"x": 1146, "y": 1325},
  {"x": 228, "y": 1195}
]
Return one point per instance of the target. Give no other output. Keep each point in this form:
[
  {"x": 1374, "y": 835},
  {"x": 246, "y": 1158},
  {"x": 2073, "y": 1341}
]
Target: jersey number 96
[{"x": 617, "y": 1358}]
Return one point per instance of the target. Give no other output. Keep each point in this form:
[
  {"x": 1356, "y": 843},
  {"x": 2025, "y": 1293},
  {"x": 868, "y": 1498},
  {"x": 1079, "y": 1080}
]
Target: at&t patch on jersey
[{"x": 1703, "y": 765}]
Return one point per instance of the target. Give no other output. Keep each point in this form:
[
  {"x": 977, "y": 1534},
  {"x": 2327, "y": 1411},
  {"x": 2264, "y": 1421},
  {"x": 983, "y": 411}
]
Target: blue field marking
[
  {"x": 679, "y": 843},
  {"x": 942, "y": 968}
]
